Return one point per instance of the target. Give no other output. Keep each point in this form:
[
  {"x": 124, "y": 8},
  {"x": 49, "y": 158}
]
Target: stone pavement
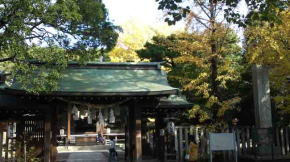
[
  {"x": 82, "y": 157},
  {"x": 93, "y": 156},
  {"x": 96, "y": 153}
]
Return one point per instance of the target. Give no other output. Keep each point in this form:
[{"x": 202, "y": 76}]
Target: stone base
[
  {"x": 263, "y": 139},
  {"x": 264, "y": 150}
]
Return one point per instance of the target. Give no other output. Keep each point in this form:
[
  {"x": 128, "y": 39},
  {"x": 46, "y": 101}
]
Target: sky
[
  {"x": 146, "y": 11},
  {"x": 121, "y": 11}
]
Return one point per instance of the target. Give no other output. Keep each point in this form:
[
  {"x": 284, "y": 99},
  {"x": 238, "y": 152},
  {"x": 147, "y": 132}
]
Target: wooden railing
[
  {"x": 280, "y": 142},
  {"x": 32, "y": 130}
]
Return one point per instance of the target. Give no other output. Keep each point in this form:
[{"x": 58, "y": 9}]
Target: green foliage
[
  {"x": 160, "y": 50},
  {"x": 66, "y": 30}
]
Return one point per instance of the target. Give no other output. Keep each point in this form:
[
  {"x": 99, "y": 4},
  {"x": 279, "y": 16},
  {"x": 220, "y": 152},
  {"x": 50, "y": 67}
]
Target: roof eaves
[
  {"x": 149, "y": 93},
  {"x": 110, "y": 65}
]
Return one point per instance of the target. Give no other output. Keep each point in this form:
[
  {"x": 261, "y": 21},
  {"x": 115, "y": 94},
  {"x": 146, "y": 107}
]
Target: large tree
[
  {"x": 208, "y": 14},
  {"x": 187, "y": 58},
  {"x": 205, "y": 16},
  {"x": 54, "y": 32}
]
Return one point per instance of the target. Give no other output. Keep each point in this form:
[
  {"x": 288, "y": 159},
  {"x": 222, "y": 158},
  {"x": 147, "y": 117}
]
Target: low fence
[
  {"x": 17, "y": 137},
  {"x": 279, "y": 143},
  {"x": 245, "y": 136}
]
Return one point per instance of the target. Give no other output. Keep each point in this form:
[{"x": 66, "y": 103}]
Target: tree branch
[
  {"x": 199, "y": 19},
  {"x": 223, "y": 40},
  {"x": 8, "y": 58},
  {"x": 203, "y": 7}
]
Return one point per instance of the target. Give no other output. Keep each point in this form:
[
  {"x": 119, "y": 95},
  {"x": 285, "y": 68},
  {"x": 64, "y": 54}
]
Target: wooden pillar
[
  {"x": 130, "y": 133},
  {"x": 159, "y": 125},
  {"x": 54, "y": 133},
  {"x": 180, "y": 144},
  {"x": 1, "y": 143},
  {"x": 135, "y": 135},
  {"x": 176, "y": 144},
  {"x": 68, "y": 123},
  {"x": 138, "y": 134},
  {"x": 2, "y": 128},
  {"x": 47, "y": 137},
  {"x": 126, "y": 142},
  {"x": 7, "y": 144}
]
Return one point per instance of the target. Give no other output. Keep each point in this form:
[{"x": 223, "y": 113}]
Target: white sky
[
  {"x": 146, "y": 11},
  {"x": 121, "y": 11}
]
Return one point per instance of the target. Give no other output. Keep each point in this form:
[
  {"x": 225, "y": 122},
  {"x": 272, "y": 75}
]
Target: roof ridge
[{"x": 113, "y": 65}]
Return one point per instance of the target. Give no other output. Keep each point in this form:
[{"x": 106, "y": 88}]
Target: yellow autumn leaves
[{"x": 269, "y": 44}]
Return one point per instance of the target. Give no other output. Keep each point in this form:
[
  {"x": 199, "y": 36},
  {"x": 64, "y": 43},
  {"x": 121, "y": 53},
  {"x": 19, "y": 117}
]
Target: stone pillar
[
  {"x": 261, "y": 88},
  {"x": 263, "y": 113}
]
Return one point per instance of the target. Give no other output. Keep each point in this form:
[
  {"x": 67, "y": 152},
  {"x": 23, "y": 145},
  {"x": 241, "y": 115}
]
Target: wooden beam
[{"x": 47, "y": 137}]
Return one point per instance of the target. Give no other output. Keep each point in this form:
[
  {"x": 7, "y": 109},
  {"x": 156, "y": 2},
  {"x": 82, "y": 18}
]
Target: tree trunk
[
  {"x": 214, "y": 58},
  {"x": 213, "y": 48},
  {"x": 214, "y": 70}
]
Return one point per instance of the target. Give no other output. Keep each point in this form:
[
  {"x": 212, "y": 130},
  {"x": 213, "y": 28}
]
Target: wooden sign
[{"x": 222, "y": 141}]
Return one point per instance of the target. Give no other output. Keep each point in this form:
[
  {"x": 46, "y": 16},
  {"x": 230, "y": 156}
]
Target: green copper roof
[{"x": 113, "y": 79}]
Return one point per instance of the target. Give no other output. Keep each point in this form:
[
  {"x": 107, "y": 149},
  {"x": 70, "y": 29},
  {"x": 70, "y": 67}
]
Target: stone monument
[{"x": 263, "y": 134}]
